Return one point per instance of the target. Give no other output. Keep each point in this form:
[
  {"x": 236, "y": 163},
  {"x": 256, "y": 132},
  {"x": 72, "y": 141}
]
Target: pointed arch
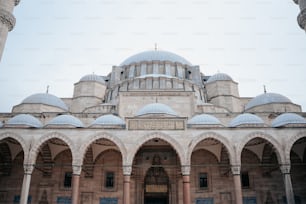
[
  {"x": 19, "y": 139},
  {"x": 289, "y": 144}
]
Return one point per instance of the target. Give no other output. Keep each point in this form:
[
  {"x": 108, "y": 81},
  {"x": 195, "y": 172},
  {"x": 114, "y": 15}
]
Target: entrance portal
[{"x": 156, "y": 200}]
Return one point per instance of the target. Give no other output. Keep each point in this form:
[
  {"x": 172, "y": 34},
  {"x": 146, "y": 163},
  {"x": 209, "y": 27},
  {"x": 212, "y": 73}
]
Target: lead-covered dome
[
  {"x": 92, "y": 78},
  {"x": 219, "y": 77},
  {"x": 155, "y": 55},
  {"x": 47, "y": 99},
  {"x": 246, "y": 120},
  {"x": 204, "y": 119},
  {"x": 24, "y": 120},
  {"x": 267, "y": 98},
  {"x": 65, "y": 120},
  {"x": 156, "y": 108},
  {"x": 290, "y": 119},
  {"x": 108, "y": 120}
]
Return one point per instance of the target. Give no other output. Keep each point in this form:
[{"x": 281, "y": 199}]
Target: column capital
[
  {"x": 77, "y": 169},
  {"x": 285, "y": 168},
  {"x": 236, "y": 169},
  {"x": 302, "y": 19},
  {"x": 28, "y": 169},
  {"x": 185, "y": 170},
  {"x": 7, "y": 19},
  {"x": 127, "y": 170}
]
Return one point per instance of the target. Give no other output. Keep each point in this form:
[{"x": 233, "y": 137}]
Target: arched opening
[
  {"x": 155, "y": 174},
  {"x": 11, "y": 170},
  {"x": 52, "y": 176},
  {"x": 210, "y": 173},
  {"x": 261, "y": 178},
  {"x": 298, "y": 170},
  {"x": 102, "y": 173}
]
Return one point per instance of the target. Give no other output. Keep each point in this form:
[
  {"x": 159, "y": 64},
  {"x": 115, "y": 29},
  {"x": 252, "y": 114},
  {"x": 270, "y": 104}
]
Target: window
[
  {"x": 245, "y": 181},
  {"x": 109, "y": 180},
  {"x": 67, "y": 179},
  {"x": 203, "y": 181}
]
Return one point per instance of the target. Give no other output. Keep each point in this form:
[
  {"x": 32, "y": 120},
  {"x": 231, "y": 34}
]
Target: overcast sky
[{"x": 56, "y": 42}]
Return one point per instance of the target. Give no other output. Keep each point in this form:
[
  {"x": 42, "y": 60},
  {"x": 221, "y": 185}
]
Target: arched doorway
[{"x": 156, "y": 183}]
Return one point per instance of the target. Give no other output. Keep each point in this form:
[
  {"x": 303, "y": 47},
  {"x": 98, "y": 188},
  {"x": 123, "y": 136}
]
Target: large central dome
[{"x": 155, "y": 55}]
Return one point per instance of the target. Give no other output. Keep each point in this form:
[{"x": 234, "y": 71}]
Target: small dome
[
  {"x": 106, "y": 120},
  {"x": 155, "y": 55},
  {"x": 63, "y": 120},
  {"x": 156, "y": 108},
  {"x": 93, "y": 78},
  {"x": 219, "y": 77},
  {"x": 24, "y": 120},
  {"x": 47, "y": 99},
  {"x": 288, "y": 119},
  {"x": 267, "y": 98},
  {"x": 246, "y": 119},
  {"x": 204, "y": 119}
]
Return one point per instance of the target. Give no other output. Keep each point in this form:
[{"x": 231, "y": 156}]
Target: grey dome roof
[
  {"x": 219, "y": 77},
  {"x": 267, "y": 98},
  {"x": 92, "y": 77},
  {"x": 47, "y": 99},
  {"x": 287, "y": 119},
  {"x": 156, "y": 108},
  {"x": 204, "y": 119},
  {"x": 155, "y": 55},
  {"x": 24, "y": 120},
  {"x": 65, "y": 120},
  {"x": 246, "y": 119},
  {"x": 108, "y": 119}
]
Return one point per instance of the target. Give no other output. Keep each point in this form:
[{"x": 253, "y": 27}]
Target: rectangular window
[
  {"x": 245, "y": 181},
  {"x": 109, "y": 180},
  {"x": 67, "y": 179},
  {"x": 203, "y": 181}
]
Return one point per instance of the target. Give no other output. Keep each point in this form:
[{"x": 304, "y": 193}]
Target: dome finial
[
  {"x": 155, "y": 46},
  {"x": 265, "y": 90},
  {"x": 47, "y": 91}
]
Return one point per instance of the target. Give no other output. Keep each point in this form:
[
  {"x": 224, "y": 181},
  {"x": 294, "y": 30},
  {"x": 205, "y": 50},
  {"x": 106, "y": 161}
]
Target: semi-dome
[
  {"x": 92, "y": 78},
  {"x": 288, "y": 119},
  {"x": 47, "y": 99},
  {"x": 156, "y": 108},
  {"x": 24, "y": 120},
  {"x": 155, "y": 55},
  {"x": 65, "y": 120},
  {"x": 204, "y": 119},
  {"x": 267, "y": 98},
  {"x": 219, "y": 77},
  {"x": 108, "y": 120},
  {"x": 246, "y": 119}
]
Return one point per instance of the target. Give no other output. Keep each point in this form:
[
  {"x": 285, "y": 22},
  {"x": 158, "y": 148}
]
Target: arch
[
  {"x": 84, "y": 147},
  {"x": 156, "y": 135},
  {"x": 276, "y": 145},
  {"x": 38, "y": 144},
  {"x": 223, "y": 140},
  {"x": 19, "y": 139},
  {"x": 289, "y": 144}
]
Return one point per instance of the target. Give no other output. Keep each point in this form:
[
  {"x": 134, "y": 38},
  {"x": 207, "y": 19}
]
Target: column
[
  {"x": 76, "y": 183},
  {"x": 237, "y": 183},
  {"x": 186, "y": 184},
  {"x": 127, "y": 170},
  {"x": 285, "y": 169},
  {"x": 28, "y": 169}
]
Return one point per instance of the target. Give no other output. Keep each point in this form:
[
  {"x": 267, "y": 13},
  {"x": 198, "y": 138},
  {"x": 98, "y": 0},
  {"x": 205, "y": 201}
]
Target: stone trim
[
  {"x": 19, "y": 139},
  {"x": 7, "y": 19},
  {"x": 302, "y": 19}
]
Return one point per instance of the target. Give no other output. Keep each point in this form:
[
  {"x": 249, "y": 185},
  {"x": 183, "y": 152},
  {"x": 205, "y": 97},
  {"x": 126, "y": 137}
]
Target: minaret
[
  {"x": 302, "y": 16},
  {"x": 7, "y": 20}
]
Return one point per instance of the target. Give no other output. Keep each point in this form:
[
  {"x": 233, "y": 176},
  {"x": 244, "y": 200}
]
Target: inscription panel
[{"x": 160, "y": 124}]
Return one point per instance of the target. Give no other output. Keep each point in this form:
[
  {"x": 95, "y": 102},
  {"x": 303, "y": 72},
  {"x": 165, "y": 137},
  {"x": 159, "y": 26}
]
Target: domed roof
[
  {"x": 47, "y": 99},
  {"x": 93, "y": 77},
  {"x": 204, "y": 119},
  {"x": 65, "y": 120},
  {"x": 219, "y": 77},
  {"x": 24, "y": 120},
  {"x": 288, "y": 119},
  {"x": 246, "y": 119},
  {"x": 267, "y": 98},
  {"x": 156, "y": 108},
  {"x": 155, "y": 55},
  {"x": 108, "y": 120}
]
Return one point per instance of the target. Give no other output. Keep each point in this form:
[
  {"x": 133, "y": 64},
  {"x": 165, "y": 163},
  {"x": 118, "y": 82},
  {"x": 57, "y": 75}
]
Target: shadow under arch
[
  {"x": 157, "y": 135},
  {"x": 276, "y": 145},
  {"x": 290, "y": 143},
  {"x": 19, "y": 139},
  {"x": 211, "y": 135}
]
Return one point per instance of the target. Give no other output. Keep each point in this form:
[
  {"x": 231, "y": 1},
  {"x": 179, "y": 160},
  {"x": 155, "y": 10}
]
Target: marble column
[
  {"x": 76, "y": 184},
  {"x": 28, "y": 169},
  {"x": 186, "y": 184},
  {"x": 237, "y": 183},
  {"x": 285, "y": 169},
  {"x": 127, "y": 170}
]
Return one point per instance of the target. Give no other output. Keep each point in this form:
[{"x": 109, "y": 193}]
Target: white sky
[{"x": 56, "y": 42}]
